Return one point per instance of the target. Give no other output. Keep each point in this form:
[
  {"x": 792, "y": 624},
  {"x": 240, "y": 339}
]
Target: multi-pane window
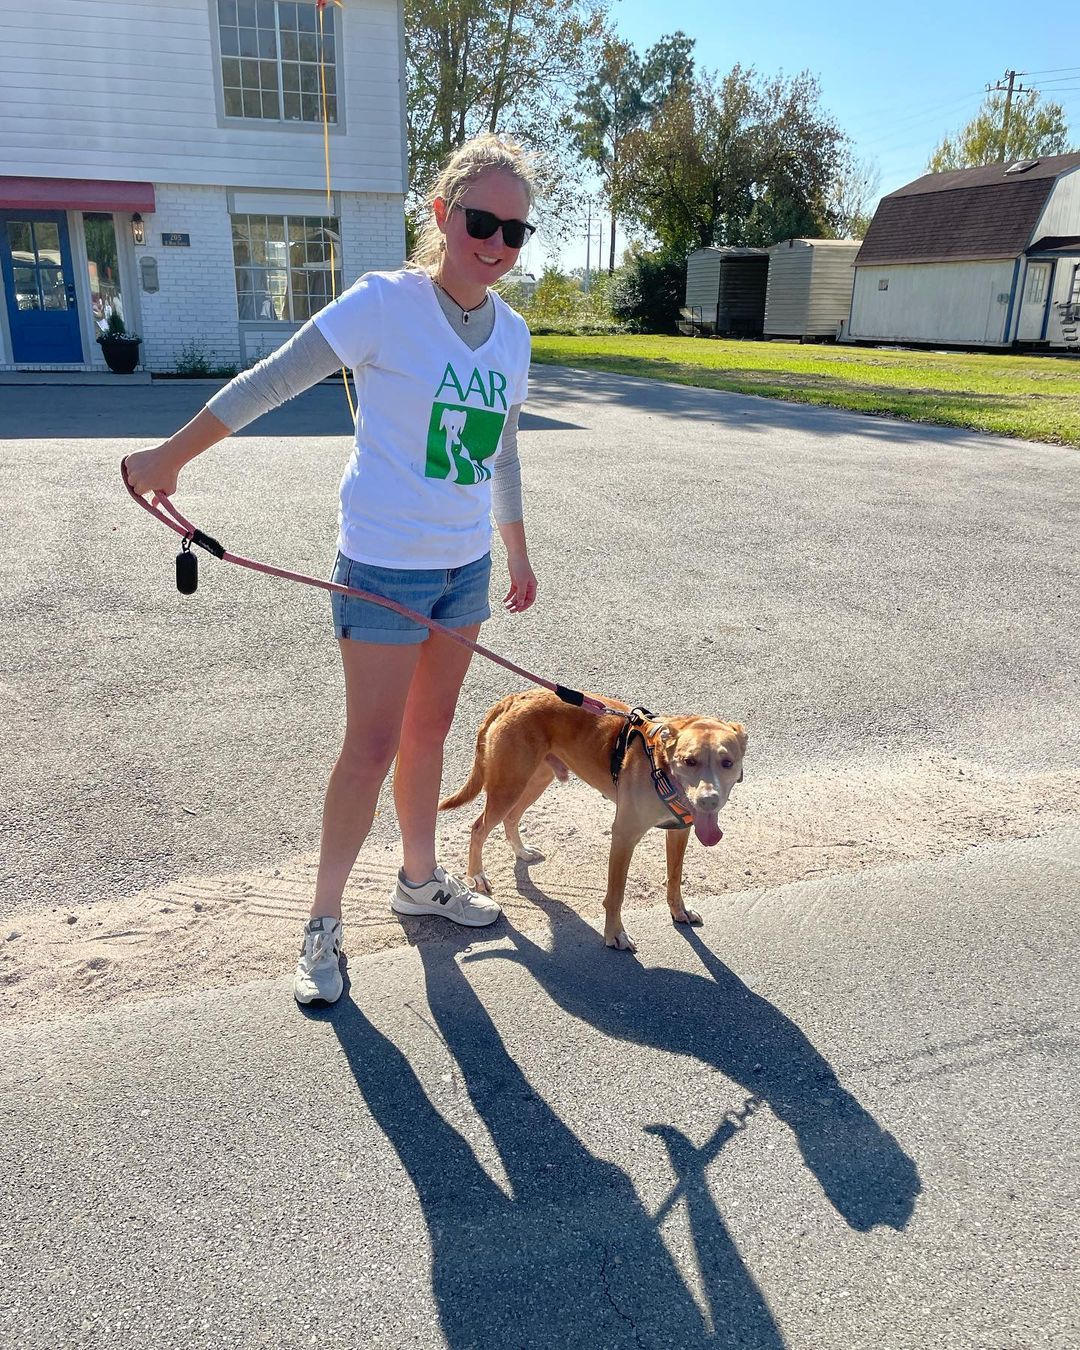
[
  {"x": 283, "y": 265},
  {"x": 270, "y": 59},
  {"x": 38, "y": 265}
]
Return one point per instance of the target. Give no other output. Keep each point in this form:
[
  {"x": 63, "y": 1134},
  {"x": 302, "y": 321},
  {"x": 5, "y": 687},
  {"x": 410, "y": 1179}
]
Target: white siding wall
[
  {"x": 831, "y": 285},
  {"x": 933, "y": 302},
  {"x": 703, "y": 281},
  {"x": 810, "y": 283},
  {"x": 787, "y": 297},
  {"x": 122, "y": 89},
  {"x": 1061, "y": 215},
  {"x": 197, "y": 297}
]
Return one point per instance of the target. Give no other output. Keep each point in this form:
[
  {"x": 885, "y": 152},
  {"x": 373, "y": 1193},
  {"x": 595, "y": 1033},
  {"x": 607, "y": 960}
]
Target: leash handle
[{"x": 162, "y": 509}]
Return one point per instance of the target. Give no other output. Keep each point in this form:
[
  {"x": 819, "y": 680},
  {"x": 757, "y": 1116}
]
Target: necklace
[{"x": 464, "y": 312}]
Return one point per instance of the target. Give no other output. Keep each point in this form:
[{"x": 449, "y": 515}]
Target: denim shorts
[{"x": 456, "y": 597}]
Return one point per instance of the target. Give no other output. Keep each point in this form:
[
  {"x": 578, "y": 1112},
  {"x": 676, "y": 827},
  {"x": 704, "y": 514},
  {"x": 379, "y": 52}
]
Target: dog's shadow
[
  {"x": 572, "y": 1257},
  {"x": 719, "y": 1020}
]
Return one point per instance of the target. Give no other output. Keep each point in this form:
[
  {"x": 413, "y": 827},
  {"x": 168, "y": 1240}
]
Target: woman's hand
[
  {"x": 154, "y": 470},
  {"x": 522, "y": 590}
]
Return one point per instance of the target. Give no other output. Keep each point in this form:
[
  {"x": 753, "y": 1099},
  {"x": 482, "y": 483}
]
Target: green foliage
[
  {"x": 1032, "y": 397},
  {"x": 624, "y": 91},
  {"x": 1035, "y": 129},
  {"x": 648, "y": 292},
  {"x": 501, "y": 66},
  {"x": 116, "y": 328},
  {"x": 852, "y": 196},
  {"x": 560, "y": 304},
  {"x": 195, "y": 362},
  {"x": 736, "y": 160}
]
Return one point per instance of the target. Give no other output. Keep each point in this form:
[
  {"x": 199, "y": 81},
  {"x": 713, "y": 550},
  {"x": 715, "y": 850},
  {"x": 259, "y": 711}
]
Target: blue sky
[{"x": 895, "y": 77}]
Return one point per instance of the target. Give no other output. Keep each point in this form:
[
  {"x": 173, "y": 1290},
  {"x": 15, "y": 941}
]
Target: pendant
[{"x": 464, "y": 316}]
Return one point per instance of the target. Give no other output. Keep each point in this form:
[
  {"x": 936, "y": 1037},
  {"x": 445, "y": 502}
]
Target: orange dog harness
[{"x": 641, "y": 723}]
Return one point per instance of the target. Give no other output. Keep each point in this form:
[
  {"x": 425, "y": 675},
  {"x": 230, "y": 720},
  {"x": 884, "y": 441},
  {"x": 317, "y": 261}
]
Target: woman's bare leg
[
  {"x": 429, "y": 712},
  {"x": 378, "y": 677}
]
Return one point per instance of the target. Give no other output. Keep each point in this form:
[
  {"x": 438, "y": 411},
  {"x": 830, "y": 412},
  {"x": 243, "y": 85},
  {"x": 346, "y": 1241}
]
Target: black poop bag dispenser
[
  {"x": 187, "y": 565},
  {"x": 187, "y": 570}
]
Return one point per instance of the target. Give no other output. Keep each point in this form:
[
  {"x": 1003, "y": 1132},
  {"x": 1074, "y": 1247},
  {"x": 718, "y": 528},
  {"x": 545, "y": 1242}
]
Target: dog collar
[{"x": 641, "y": 723}]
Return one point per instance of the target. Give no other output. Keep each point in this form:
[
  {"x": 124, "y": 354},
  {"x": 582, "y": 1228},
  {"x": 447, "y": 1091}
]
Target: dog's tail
[{"x": 474, "y": 783}]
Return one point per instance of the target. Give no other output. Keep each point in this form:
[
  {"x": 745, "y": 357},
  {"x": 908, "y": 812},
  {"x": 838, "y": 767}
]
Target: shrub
[
  {"x": 195, "y": 362},
  {"x": 648, "y": 292}
]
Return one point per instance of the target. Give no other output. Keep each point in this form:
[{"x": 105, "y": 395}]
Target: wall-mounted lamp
[{"x": 138, "y": 231}]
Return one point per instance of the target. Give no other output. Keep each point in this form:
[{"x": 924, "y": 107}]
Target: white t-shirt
[{"x": 430, "y": 417}]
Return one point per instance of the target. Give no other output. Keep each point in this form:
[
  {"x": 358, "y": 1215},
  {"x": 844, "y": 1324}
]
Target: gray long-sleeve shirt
[{"x": 307, "y": 357}]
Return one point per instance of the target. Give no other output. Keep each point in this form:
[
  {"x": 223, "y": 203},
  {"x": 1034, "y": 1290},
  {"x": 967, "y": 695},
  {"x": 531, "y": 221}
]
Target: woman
[{"x": 441, "y": 369}]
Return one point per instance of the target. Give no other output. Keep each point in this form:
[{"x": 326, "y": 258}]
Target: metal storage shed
[
  {"x": 725, "y": 290},
  {"x": 810, "y": 285},
  {"x": 983, "y": 257}
]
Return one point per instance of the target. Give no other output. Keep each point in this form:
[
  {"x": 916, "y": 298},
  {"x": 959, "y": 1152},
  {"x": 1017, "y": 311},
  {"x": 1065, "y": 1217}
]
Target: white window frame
[
  {"x": 286, "y": 219},
  {"x": 332, "y": 30}
]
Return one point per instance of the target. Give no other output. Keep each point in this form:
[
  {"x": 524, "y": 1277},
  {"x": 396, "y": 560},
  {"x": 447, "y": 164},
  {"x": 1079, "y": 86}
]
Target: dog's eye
[
  {"x": 727, "y": 763},
  {"x": 690, "y": 761}
]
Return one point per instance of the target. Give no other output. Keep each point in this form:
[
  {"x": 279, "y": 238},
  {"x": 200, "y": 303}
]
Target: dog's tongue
[{"x": 707, "y": 828}]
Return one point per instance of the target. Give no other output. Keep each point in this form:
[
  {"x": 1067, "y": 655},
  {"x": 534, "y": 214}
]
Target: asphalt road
[
  {"x": 842, "y": 1114},
  {"x": 843, "y": 585}
]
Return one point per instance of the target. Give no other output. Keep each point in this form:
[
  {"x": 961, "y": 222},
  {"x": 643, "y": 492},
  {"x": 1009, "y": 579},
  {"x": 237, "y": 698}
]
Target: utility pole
[
  {"x": 588, "y": 250},
  {"x": 1008, "y": 90}
]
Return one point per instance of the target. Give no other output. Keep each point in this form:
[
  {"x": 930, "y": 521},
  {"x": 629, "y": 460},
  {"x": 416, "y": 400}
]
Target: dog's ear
[{"x": 740, "y": 733}]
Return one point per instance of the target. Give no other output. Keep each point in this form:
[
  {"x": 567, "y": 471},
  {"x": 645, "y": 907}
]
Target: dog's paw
[
  {"x": 528, "y": 855},
  {"x": 479, "y": 883},
  {"x": 622, "y": 940},
  {"x": 688, "y": 915}
]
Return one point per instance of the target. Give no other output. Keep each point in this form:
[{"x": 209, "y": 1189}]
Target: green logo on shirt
[{"x": 460, "y": 438}]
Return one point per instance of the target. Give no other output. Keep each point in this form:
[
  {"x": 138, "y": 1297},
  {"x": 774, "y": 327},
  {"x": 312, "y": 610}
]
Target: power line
[
  {"x": 1057, "y": 70},
  {"x": 905, "y": 124}
]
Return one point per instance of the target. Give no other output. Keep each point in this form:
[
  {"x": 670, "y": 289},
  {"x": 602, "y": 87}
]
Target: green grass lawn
[{"x": 1037, "y": 397}]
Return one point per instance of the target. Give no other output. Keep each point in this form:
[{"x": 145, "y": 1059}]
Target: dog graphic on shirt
[{"x": 464, "y": 467}]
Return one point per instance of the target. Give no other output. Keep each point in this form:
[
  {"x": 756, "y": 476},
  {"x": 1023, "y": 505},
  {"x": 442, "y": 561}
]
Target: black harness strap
[{"x": 639, "y": 723}]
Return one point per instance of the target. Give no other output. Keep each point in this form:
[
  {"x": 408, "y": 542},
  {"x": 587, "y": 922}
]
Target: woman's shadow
[{"x": 572, "y": 1257}]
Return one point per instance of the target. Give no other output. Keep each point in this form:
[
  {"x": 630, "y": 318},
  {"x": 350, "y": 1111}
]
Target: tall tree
[
  {"x": 494, "y": 65},
  {"x": 623, "y": 93},
  {"x": 733, "y": 160},
  {"x": 853, "y": 194},
  {"x": 1035, "y": 128}
]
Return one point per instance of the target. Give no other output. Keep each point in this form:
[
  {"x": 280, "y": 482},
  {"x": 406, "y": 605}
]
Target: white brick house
[{"x": 167, "y": 161}]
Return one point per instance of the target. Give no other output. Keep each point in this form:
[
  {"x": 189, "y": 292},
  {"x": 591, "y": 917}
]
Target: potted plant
[{"x": 119, "y": 347}]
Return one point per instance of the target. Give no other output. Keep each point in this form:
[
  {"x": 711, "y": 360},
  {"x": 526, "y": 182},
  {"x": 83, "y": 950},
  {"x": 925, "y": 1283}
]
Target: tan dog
[{"x": 528, "y": 739}]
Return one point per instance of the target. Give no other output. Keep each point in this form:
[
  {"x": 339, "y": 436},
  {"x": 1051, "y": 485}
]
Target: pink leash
[{"x": 161, "y": 508}]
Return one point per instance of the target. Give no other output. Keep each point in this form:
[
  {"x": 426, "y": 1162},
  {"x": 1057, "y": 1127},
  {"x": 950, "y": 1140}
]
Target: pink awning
[{"x": 74, "y": 194}]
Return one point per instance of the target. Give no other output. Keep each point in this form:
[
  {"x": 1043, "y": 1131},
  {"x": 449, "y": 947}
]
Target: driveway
[{"x": 839, "y": 1114}]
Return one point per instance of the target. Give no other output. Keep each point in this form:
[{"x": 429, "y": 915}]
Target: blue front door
[{"x": 39, "y": 285}]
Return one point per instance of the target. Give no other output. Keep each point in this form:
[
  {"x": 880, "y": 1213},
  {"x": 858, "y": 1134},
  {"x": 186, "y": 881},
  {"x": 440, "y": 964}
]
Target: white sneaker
[
  {"x": 446, "y": 896},
  {"x": 318, "y": 972}
]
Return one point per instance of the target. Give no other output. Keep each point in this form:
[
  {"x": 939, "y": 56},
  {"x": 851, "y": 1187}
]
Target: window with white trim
[
  {"x": 270, "y": 57},
  {"x": 1074, "y": 289},
  {"x": 286, "y": 267}
]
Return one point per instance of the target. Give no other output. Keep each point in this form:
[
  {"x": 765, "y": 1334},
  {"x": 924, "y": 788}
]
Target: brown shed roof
[{"x": 962, "y": 215}]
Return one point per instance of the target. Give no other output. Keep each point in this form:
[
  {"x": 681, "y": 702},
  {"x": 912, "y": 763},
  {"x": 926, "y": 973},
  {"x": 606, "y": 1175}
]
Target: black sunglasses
[{"x": 483, "y": 224}]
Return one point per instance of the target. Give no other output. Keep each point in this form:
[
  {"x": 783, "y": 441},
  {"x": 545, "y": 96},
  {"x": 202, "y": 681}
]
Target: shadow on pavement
[
  {"x": 152, "y": 412},
  {"x": 572, "y": 1257},
  {"x": 750, "y": 412}
]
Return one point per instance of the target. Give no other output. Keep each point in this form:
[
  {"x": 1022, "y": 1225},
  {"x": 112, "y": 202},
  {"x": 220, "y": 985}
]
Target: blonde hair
[{"x": 467, "y": 163}]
